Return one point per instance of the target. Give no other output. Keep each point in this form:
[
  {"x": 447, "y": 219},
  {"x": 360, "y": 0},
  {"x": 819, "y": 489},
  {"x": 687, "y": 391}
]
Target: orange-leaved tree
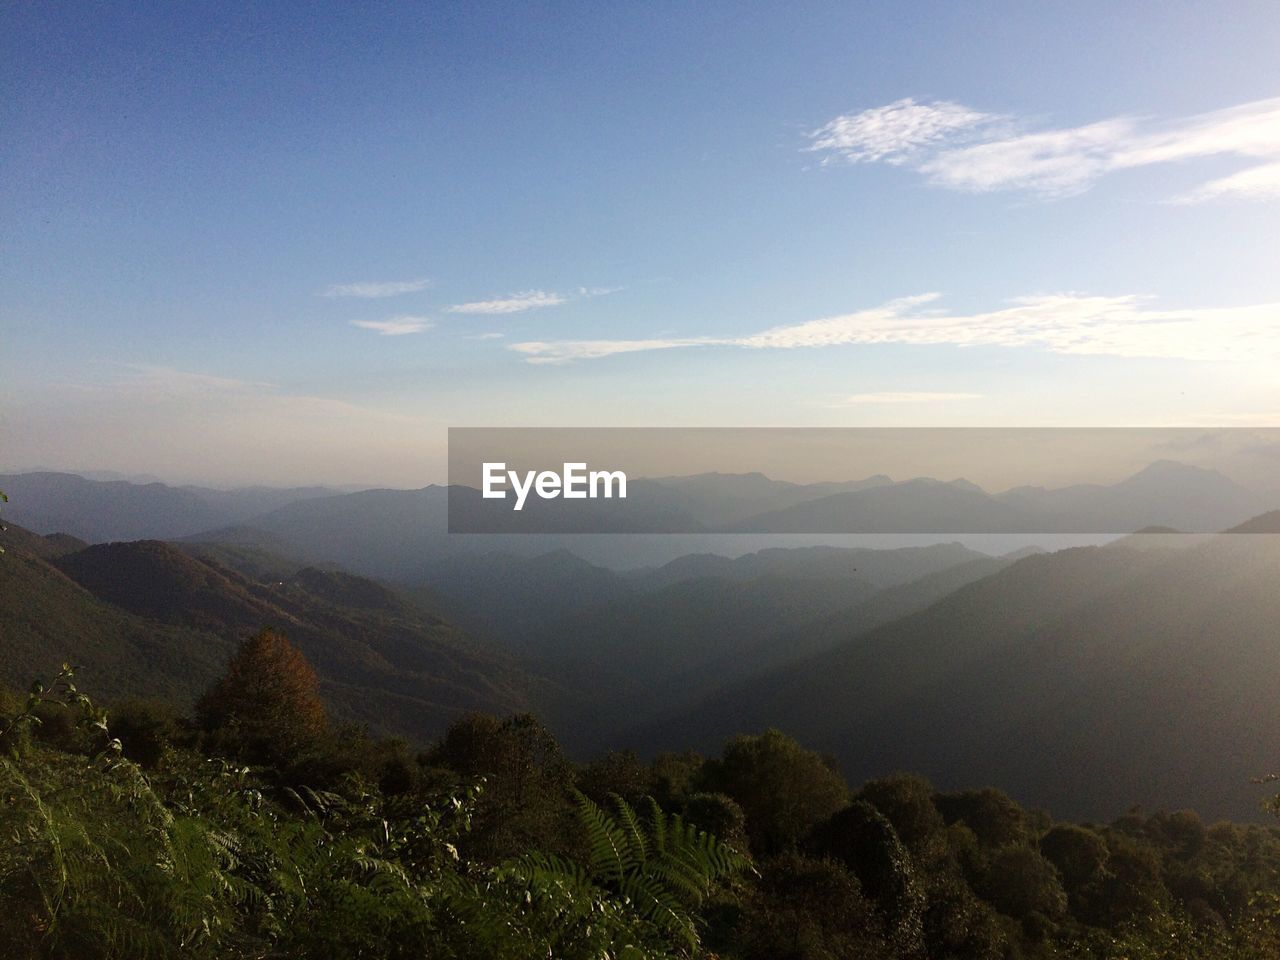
[{"x": 267, "y": 707}]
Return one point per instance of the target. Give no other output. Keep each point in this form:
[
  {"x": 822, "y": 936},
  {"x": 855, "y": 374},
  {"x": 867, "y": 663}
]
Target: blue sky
[{"x": 295, "y": 243}]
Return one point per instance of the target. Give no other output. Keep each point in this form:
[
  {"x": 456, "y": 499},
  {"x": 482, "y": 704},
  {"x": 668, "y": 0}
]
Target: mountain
[
  {"x": 404, "y": 534},
  {"x": 146, "y": 617},
  {"x": 1266, "y": 523},
  {"x": 47, "y": 618},
  {"x": 1164, "y": 494},
  {"x": 643, "y": 654},
  {"x": 1083, "y": 681},
  {"x": 881, "y": 568},
  {"x": 638, "y": 644},
  {"x": 649, "y": 654},
  {"x": 104, "y": 510},
  {"x": 881, "y": 607},
  {"x": 517, "y": 600},
  {"x": 718, "y": 500},
  {"x": 914, "y": 506}
]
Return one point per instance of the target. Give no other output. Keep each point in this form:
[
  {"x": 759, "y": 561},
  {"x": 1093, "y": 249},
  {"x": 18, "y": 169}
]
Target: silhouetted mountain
[
  {"x": 1083, "y": 681},
  {"x": 647, "y": 654},
  {"x": 515, "y": 600},
  {"x": 881, "y": 568},
  {"x": 922, "y": 505},
  {"x": 106, "y": 510},
  {"x": 642, "y": 654},
  {"x": 718, "y": 500},
  {"x": 400, "y": 533},
  {"x": 1266, "y": 523},
  {"x": 1163, "y": 494},
  {"x": 387, "y": 533}
]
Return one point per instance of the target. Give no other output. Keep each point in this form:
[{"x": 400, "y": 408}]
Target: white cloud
[
  {"x": 963, "y": 149},
  {"x": 395, "y": 326},
  {"x": 529, "y": 300},
  {"x": 895, "y": 132},
  {"x": 516, "y": 303},
  {"x": 375, "y": 290},
  {"x": 484, "y": 336},
  {"x": 910, "y": 396},
  {"x": 1066, "y": 323},
  {"x": 564, "y": 351},
  {"x": 1255, "y": 183}
]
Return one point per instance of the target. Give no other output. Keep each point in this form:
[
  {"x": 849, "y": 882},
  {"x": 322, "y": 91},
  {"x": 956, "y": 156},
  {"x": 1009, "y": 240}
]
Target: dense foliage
[{"x": 155, "y": 836}]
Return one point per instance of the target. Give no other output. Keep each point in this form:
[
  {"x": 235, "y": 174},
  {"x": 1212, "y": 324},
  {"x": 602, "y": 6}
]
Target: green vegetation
[{"x": 261, "y": 829}]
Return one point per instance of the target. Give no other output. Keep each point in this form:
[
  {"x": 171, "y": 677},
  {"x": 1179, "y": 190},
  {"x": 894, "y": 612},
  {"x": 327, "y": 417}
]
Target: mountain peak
[
  {"x": 1175, "y": 469},
  {"x": 1264, "y": 523}
]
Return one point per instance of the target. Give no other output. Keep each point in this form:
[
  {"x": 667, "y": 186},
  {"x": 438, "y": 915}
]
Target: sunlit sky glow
[{"x": 295, "y": 244}]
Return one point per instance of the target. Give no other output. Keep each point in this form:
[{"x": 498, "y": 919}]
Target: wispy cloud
[
  {"x": 152, "y": 379},
  {"x": 963, "y": 149},
  {"x": 564, "y": 351},
  {"x": 1066, "y": 323},
  {"x": 395, "y": 326},
  {"x": 529, "y": 300},
  {"x": 515, "y": 303},
  {"x": 492, "y": 335},
  {"x": 373, "y": 290},
  {"x": 913, "y": 396},
  {"x": 1255, "y": 183}
]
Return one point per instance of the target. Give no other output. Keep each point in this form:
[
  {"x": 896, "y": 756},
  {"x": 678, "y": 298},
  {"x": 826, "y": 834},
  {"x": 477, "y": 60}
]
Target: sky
[{"x": 294, "y": 243}]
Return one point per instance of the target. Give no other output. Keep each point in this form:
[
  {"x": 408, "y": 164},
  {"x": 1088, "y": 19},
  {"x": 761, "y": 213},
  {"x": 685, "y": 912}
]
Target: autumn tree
[{"x": 267, "y": 706}]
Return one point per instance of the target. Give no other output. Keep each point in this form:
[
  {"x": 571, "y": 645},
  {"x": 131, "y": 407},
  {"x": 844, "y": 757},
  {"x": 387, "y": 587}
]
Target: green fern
[{"x": 659, "y": 869}]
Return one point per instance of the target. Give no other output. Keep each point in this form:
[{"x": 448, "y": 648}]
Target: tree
[
  {"x": 1079, "y": 854},
  {"x": 991, "y": 814},
  {"x": 805, "y": 909},
  {"x": 784, "y": 789},
  {"x": 908, "y": 803},
  {"x": 1020, "y": 882},
  {"x": 620, "y": 772},
  {"x": 267, "y": 707},
  {"x": 526, "y": 781},
  {"x": 861, "y": 837}
]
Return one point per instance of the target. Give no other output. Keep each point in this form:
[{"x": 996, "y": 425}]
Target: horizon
[{"x": 111, "y": 476}]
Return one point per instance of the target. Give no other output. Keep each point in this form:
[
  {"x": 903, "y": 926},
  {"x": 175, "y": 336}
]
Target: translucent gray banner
[{"x": 863, "y": 481}]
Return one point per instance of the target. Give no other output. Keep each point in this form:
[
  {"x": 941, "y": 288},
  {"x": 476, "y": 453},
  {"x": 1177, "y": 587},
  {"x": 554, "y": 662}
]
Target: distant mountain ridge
[
  {"x": 401, "y": 533},
  {"x": 104, "y": 510}
]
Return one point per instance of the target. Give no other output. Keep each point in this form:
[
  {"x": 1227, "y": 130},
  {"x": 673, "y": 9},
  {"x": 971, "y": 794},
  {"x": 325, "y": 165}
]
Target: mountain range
[
  {"x": 404, "y": 534},
  {"x": 1084, "y": 681}
]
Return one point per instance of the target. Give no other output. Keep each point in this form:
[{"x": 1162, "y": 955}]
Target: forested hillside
[
  {"x": 152, "y": 619},
  {"x": 1084, "y": 681}
]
